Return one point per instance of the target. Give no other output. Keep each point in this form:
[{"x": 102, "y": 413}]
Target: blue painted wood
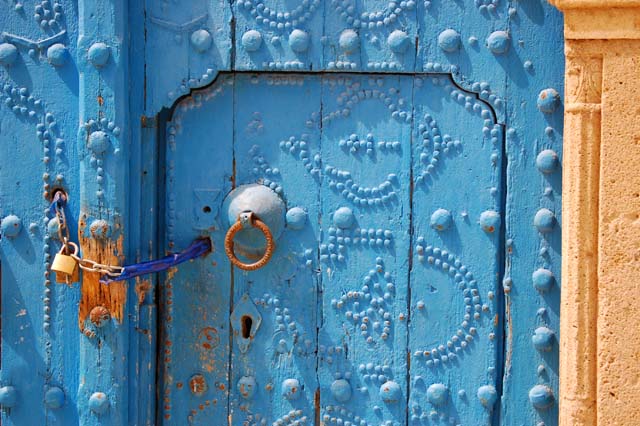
[
  {"x": 195, "y": 349},
  {"x": 534, "y": 152},
  {"x": 416, "y": 128},
  {"x": 365, "y": 193},
  {"x": 38, "y": 153},
  {"x": 103, "y": 152},
  {"x": 283, "y": 361},
  {"x": 455, "y": 328}
]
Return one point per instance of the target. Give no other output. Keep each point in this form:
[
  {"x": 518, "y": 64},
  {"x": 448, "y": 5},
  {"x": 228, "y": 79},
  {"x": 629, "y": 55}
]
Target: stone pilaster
[{"x": 600, "y": 343}]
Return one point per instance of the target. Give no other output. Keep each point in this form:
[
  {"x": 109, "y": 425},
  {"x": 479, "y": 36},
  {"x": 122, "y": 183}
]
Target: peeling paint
[{"x": 112, "y": 296}]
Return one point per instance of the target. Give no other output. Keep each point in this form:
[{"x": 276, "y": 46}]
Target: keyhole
[{"x": 247, "y": 322}]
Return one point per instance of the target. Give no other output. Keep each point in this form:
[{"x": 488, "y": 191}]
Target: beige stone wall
[{"x": 600, "y": 334}]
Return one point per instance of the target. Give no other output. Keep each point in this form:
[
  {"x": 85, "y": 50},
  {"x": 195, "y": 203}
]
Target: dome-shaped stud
[
  {"x": 449, "y": 40},
  {"x": 99, "y": 54},
  {"x": 343, "y": 218},
  {"x": 498, "y": 42},
  {"x": 544, "y": 220},
  {"x": 437, "y": 394},
  {"x": 247, "y": 386},
  {"x": 296, "y": 218},
  {"x": 541, "y": 397},
  {"x": 99, "y": 402},
  {"x": 251, "y": 40},
  {"x": 8, "y": 54},
  {"x": 8, "y": 396},
  {"x": 487, "y": 395},
  {"x": 390, "y": 392},
  {"x": 341, "y": 390},
  {"x": 441, "y": 220},
  {"x": 490, "y": 221},
  {"x": 290, "y": 389},
  {"x": 99, "y": 316},
  {"x": 100, "y": 229},
  {"x": 543, "y": 338},
  {"x": 57, "y": 54},
  {"x": 11, "y": 226},
  {"x": 398, "y": 41},
  {"x": 299, "y": 41},
  {"x": 547, "y": 161},
  {"x": 349, "y": 41},
  {"x": 201, "y": 40},
  {"x": 54, "y": 398},
  {"x": 542, "y": 279},
  {"x": 98, "y": 142},
  {"x": 548, "y": 100},
  {"x": 52, "y": 228}
]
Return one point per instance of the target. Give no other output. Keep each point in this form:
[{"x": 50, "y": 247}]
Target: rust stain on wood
[
  {"x": 142, "y": 288},
  {"x": 112, "y": 296}
]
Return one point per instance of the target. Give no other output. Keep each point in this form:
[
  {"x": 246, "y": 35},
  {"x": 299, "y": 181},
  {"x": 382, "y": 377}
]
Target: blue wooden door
[
  {"x": 405, "y": 156},
  {"x": 382, "y": 292}
]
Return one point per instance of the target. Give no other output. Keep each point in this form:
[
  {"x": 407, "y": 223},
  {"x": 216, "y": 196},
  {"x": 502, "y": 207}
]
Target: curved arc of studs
[
  {"x": 450, "y": 264},
  {"x": 25, "y": 105},
  {"x": 272, "y": 19}
]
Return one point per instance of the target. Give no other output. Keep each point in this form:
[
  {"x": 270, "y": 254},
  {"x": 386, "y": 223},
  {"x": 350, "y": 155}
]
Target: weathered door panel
[
  {"x": 282, "y": 356},
  {"x": 366, "y": 207},
  {"x": 455, "y": 328},
  {"x": 194, "y": 358},
  {"x": 341, "y": 312},
  {"x": 379, "y": 132}
]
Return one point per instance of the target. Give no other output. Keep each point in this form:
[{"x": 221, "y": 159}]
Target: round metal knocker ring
[{"x": 234, "y": 229}]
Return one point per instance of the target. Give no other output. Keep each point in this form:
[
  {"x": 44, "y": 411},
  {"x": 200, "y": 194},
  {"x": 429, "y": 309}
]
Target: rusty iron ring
[{"x": 228, "y": 244}]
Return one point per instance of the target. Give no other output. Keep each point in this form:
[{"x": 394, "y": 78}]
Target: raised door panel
[{"x": 383, "y": 282}]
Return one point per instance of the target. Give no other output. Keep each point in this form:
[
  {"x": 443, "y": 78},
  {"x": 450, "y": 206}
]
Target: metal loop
[{"x": 228, "y": 244}]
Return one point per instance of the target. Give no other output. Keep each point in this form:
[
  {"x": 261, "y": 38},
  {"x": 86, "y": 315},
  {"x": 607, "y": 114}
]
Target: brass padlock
[{"x": 65, "y": 266}]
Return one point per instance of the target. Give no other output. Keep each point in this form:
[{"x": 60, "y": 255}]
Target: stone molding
[{"x": 599, "y": 345}]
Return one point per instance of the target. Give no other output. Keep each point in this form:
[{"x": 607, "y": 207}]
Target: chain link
[
  {"x": 110, "y": 273},
  {"x": 63, "y": 234},
  {"x": 92, "y": 266}
]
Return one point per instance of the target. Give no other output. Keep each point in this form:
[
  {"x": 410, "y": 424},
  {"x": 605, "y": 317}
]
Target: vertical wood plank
[
  {"x": 533, "y": 215},
  {"x": 104, "y": 154},
  {"x": 195, "y": 300},
  {"x": 455, "y": 322},
  {"x": 365, "y": 154},
  {"x": 276, "y": 128}
]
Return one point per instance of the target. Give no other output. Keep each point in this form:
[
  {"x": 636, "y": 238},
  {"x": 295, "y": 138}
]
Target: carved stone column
[{"x": 600, "y": 341}]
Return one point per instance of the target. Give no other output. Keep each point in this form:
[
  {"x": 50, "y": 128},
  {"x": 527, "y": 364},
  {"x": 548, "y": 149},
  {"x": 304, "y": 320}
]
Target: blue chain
[
  {"x": 197, "y": 248},
  {"x": 58, "y": 203}
]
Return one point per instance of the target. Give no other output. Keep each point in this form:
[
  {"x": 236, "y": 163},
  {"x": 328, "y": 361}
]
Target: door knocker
[
  {"x": 255, "y": 217},
  {"x": 248, "y": 220}
]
